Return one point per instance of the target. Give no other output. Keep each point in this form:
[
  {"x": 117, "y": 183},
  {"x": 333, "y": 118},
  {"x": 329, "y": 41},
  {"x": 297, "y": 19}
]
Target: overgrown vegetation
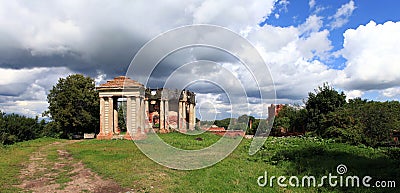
[
  {"x": 16, "y": 128},
  {"x": 328, "y": 115}
]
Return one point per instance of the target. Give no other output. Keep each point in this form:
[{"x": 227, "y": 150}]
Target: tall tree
[
  {"x": 324, "y": 100},
  {"x": 74, "y": 105}
]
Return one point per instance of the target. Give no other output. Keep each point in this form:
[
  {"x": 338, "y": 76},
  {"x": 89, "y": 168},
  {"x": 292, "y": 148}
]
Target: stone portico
[{"x": 147, "y": 110}]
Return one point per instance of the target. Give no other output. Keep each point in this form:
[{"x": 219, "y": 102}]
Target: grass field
[
  {"x": 12, "y": 159},
  {"x": 121, "y": 161}
]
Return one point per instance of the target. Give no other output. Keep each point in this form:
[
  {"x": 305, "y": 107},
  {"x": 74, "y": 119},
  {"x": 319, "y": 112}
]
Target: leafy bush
[
  {"x": 393, "y": 153},
  {"x": 15, "y": 128}
]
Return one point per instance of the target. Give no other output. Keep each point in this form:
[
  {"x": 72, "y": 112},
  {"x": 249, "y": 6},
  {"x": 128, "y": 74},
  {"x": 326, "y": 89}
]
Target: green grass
[
  {"x": 190, "y": 142},
  {"x": 123, "y": 162},
  {"x": 13, "y": 157}
]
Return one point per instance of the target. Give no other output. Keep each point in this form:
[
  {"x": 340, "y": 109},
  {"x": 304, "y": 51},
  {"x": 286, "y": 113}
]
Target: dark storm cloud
[
  {"x": 110, "y": 55},
  {"x": 14, "y": 89}
]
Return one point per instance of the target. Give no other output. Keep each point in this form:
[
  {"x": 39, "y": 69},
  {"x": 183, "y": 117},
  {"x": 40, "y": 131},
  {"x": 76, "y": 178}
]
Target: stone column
[
  {"x": 161, "y": 115},
  {"x": 115, "y": 108},
  {"x": 143, "y": 115},
  {"x": 194, "y": 114},
  {"x": 110, "y": 115},
  {"x": 128, "y": 114},
  {"x": 146, "y": 113},
  {"x": 166, "y": 110},
  {"x": 137, "y": 121},
  {"x": 101, "y": 116},
  {"x": 180, "y": 115},
  {"x": 184, "y": 115},
  {"x": 191, "y": 125}
]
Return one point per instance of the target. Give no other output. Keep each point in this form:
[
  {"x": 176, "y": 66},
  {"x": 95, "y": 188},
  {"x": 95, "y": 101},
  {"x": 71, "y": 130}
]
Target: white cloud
[
  {"x": 233, "y": 14},
  {"x": 311, "y": 3},
  {"x": 342, "y": 15},
  {"x": 294, "y": 56},
  {"x": 29, "y": 89},
  {"x": 373, "y": 57},
  {"x": 391, "y": 92},
  {"x": 30, "y": 108},
  {"x": 353, "y": 94},
  {"x": 312, "y": 24},
  {"x": 284, "y": 4}
]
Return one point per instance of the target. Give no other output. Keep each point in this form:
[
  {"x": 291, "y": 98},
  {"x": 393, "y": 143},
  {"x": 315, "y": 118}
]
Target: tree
[
  {"x": 243, "y": 119},
  {"x": 74, "y": 105},
  {"x": 362, "y": 121},
  {"x": 279, "y": 123},
  {"x": 15, "y": 128},
  {"x": 246, "y": 119},
  {"x": 121, "y": 117},
  {"x": 324, "y": 100},
  {"x": 343, "y": 126},
  {"x": 223, "y": 123}
]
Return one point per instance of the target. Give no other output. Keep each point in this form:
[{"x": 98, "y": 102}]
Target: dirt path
[{"x": 53, "y": 169}]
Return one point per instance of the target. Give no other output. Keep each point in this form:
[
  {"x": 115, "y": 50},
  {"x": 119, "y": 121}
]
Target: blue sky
[{"x": 352, "y": 44}]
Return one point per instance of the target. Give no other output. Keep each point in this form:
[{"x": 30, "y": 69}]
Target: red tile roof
[{"x": 120, "y": 82}]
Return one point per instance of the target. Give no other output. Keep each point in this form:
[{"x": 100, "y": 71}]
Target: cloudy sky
[{"x": 352, "y": 44}]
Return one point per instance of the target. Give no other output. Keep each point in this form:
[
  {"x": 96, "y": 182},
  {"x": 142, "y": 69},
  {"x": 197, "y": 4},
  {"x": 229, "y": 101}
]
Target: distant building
[{"x": 274, "y": 110}]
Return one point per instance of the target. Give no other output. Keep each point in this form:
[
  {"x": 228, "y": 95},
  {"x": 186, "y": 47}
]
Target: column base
[
  {"x": 183, "y": 130},
  {"x": 127, "y": 136},
  {"x": 163, "y": 131},
  {"x": 101, "y": 136},
  {"x": 137, "y": 136}
]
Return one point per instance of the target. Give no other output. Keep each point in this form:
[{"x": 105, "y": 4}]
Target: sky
[{"x": 354, "y": 45}]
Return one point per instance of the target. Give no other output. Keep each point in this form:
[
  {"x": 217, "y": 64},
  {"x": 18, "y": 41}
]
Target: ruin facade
[{"x": 147, "y": 110}]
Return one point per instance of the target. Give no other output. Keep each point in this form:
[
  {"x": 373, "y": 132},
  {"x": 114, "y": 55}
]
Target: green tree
[
  {"x": 254, "y": 126},
  {"x": 280, "y": 122},
  {"x": 243, "y": 119},
  {"x": 2, "y": 122},
  {"x": 52, "y": 129},
  {"x": 362, "y": 121},
  {"x": 16, "y": 128},
  {"x": 223, "y": 123},
  {"x": 292, "y": 118},
  {"x": 343, "y": 126},
  {"x": 74, "y": 105},
  {"x": 324, "y": 100},
  {"x": 246, "y": 119},
  {"x": 121, "y": 117}
]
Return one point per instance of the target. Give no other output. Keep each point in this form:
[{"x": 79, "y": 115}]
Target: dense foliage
[
  {"x": 360, "y": 121},
  {"x": 15, "y": 128},
  {"x": 74, "y": 105},
  {"x": 328, "y": 115},
  {"x": 319, "y": 104}
]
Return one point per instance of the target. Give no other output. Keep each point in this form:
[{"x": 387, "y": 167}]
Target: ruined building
[{"x": 147, "y": 110}]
